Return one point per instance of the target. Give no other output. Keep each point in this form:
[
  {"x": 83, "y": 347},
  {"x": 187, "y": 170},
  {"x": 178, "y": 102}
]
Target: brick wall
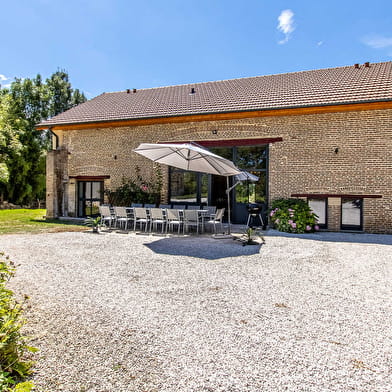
[{"x": 304, "y": 162}]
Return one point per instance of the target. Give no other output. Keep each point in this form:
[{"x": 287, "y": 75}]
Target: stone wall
[{"x": 331, "y": 153}]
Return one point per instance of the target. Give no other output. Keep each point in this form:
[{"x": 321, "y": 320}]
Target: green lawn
[{"x": 32, "y": 221}]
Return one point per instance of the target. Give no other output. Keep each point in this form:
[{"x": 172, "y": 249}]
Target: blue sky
[{"x": 118, "y": 44}]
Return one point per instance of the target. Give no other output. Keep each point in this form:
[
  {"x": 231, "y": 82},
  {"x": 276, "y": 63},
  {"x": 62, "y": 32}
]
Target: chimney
[
  {"x": 367, "y": 64},
  {"x": 192, "y": 90},
  {"x": 134, "y": 90},
  {"x": 128, "y": 90},
  {"x": 356, "y": 66}
]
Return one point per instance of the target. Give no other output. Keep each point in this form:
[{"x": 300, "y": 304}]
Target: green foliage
[
  {"x": 293, "y": 216},
  {"x": 252, "y": 237},
  {"x": 22, "y": 148},
  {"x": 137, "y": 189},
  {"x": 13, "y": 345},
  {"x": 92, "y": 222}
]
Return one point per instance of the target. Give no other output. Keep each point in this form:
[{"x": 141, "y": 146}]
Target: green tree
[{"x": 24, "y": 105}]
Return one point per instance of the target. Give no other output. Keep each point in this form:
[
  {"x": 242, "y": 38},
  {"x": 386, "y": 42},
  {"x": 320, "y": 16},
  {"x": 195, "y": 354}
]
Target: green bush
[
  {"x": 14, "y": 368},
  {"x": 293, "y": 216},
  {"x": 137, "y": 190}
]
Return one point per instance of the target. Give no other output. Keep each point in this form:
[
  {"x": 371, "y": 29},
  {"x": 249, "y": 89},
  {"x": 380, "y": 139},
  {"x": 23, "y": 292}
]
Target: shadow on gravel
[
  {"x": 356, "y": 238},
  {"x": 202, "y": 247}
]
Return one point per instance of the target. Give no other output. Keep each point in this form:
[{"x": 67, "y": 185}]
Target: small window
[
  {"x": 319, "y": 207},
  {"x": 351, "y": 214}
]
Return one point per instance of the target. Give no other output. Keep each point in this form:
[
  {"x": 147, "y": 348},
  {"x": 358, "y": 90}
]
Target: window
[
  {"x": 188, "y": 187},
  {"x": 351, "y": 214},
  {"x": 319, "y": 207},
  {"x": 90, "y": 197}
]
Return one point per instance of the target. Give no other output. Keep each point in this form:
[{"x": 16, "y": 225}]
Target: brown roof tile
[{"x": 330, "y": 86}]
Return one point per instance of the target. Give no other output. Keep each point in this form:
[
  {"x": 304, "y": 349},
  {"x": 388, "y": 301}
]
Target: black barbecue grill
[{"x": 255, "y": 211}]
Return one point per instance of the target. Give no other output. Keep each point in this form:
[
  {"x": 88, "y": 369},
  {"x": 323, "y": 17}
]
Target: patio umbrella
[{"x": 190, "y": 156}]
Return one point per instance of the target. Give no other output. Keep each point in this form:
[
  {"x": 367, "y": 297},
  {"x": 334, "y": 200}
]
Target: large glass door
[{"x": 90, "y": 197}]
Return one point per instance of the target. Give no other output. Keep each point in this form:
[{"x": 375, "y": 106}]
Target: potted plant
[
  {"x": 95, "y": 223},
  {"x": 251, "y": 237}
]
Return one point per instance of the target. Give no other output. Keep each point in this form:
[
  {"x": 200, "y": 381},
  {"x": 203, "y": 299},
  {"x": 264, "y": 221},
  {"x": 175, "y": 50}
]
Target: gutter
[{"x": 56, "y": 138}]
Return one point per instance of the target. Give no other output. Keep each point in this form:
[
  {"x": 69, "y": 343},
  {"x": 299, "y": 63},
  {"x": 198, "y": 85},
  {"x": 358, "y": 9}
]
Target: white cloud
[
  {"x": 377, "y": 41},
  {"x": 320, "y": 43},
  {"x": 3, "y": 78},
  {"x": 286, "y": 24},
  {"x": 6, "y": 85}
]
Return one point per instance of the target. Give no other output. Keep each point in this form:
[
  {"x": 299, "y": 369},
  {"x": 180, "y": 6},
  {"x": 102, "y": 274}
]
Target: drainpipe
[{"x": 56, "y": 138}]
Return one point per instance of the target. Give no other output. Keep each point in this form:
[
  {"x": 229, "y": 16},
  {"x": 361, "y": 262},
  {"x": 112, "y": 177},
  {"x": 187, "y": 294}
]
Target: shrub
[
  {"x": 137, "y": 190},
  {"x": 13, "y": 345},
  {"x": 293, "y": 216}
]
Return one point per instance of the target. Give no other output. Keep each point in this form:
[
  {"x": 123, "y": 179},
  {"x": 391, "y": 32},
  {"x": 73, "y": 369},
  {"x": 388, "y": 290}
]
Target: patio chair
[
  {"x": 140, "y": 216},
  {"x": 173, "y": 218},
  {"x": 107, "y": 217},
  {"x": 179, "y": 207},
  {"x": 217, "y": 219},
  {"x": 211, "y": 211},
  {"x": 165, "y": 206},
  {"x": 157, "y": 217},
  {"x": 192, "y": 219},
  {"x": 122, "y": 217}
]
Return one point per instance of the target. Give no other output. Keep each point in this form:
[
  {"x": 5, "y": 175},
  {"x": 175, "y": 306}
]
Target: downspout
[{"x": 56, "y": 138}]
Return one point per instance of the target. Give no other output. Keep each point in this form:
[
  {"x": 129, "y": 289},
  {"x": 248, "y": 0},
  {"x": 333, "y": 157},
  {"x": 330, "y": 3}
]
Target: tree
[{"x": 25, "y": 104}]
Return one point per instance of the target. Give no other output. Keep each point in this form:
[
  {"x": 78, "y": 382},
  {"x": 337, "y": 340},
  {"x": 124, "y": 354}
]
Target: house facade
[{"x": 324, "y": 136}]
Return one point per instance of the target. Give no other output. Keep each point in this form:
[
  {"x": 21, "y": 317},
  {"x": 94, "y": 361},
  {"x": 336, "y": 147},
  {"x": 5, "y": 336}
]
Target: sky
[{"x": 119, "y": 44}]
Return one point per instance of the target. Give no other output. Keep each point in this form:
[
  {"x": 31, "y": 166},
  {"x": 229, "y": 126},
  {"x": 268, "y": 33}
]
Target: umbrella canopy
[
  {"x": 188, "y": 156},
  {"x": 246, "y": 176}
]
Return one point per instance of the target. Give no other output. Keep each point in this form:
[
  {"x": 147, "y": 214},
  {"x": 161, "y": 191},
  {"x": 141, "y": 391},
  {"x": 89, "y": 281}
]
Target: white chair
[
  {"x": 211, "y": 211},
  {"x": 191, "y": 219},
  {"x": 157, "y": 217},
  {"x": 178, "y": 207},
  {"x": 122, "y": 217},
  {"x": 164, "y": 206},
  {"x": 107, "y": 218},
  {"x": 140, "y": 216},
  {"x": 217, "y": 219},
  {"x": 173, "y": 218}
]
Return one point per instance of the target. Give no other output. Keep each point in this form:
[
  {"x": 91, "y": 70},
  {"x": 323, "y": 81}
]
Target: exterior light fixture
[
  {"x": 214, "y": 131},
  {"x": 336, "y": 150}
]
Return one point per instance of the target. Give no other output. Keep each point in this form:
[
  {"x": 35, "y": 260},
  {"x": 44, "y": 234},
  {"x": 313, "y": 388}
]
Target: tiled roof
[{"x": 330, "y": 86}]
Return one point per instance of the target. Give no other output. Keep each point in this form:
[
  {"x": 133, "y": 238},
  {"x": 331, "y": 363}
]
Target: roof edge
[{"x": 351, "y": 106}]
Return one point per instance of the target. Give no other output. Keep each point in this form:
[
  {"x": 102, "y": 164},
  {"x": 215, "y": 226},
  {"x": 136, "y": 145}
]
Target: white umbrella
[
  {"x": 246, "y": 176},
  {"x": 190, "y": 156}
]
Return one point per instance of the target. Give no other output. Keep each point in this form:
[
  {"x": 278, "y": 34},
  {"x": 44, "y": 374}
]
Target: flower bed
[{"x": 293, "y": 216}]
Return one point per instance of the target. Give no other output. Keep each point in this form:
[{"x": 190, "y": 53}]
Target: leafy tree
[{"x": 22, "y": 106}]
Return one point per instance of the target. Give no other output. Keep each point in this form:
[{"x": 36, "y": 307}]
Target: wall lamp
[
  {"x": 336, "y": 150},
  {"x": 214, "y": 131}
]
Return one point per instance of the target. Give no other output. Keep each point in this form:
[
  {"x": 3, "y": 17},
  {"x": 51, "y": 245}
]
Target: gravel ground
[{"x": 126, "y": 312}]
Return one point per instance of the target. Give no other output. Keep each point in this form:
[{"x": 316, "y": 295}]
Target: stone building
[{"x": 322, "y": 135}]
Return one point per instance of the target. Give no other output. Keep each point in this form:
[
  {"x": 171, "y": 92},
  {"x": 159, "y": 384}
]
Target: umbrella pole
[{"x": 228, "y": 205}]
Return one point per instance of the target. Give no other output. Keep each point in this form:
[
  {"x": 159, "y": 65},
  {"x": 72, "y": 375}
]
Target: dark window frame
[
  {"x": 81, "y": 199},
  {"x": 351, "y": 227},
  {"x": 321, "y": 225}
]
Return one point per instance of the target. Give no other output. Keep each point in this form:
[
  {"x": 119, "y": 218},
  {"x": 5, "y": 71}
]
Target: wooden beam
[
  {"x": 325, "y": 195},
  {"x": 226, "y": 116}
]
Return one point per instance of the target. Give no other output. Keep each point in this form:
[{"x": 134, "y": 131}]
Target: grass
[{"x": 33, "y": 221}]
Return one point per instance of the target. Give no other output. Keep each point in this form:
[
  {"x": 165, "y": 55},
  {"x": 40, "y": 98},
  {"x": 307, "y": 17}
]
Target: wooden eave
[{"x": 352, "y": 107}]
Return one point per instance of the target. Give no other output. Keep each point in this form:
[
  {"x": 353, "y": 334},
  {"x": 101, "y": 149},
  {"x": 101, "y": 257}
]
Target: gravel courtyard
[{"x": 126, "y": 312}]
